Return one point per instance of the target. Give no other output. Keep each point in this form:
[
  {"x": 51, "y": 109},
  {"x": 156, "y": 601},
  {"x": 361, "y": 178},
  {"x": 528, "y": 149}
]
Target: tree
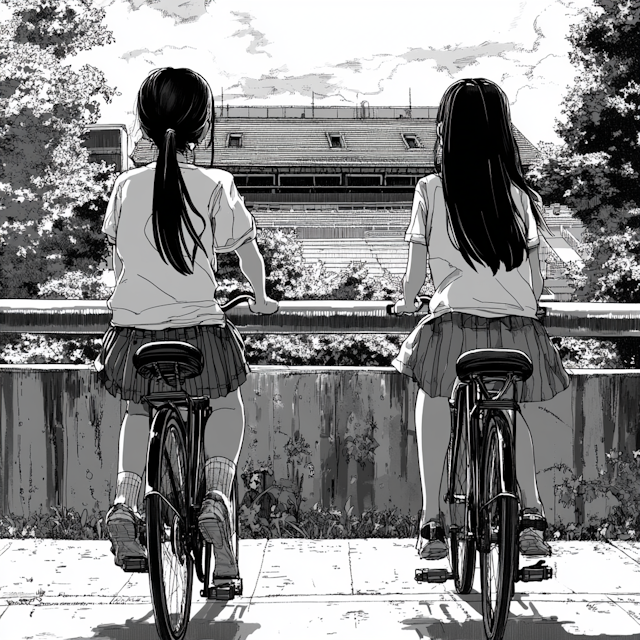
[
  {"x": 50, "y": 194},
  {"x": 597, "y": 169}
]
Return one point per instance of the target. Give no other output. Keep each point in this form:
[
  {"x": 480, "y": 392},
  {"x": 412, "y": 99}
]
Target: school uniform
[
  {"x": 152, "y": 301},
  {"x": 474, "y": 309}
]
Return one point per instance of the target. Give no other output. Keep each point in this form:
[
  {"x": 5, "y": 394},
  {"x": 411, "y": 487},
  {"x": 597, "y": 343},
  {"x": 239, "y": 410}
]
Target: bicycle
[
  {"x": 175, "y": 489},
  {"x": 482, "y": 491}
]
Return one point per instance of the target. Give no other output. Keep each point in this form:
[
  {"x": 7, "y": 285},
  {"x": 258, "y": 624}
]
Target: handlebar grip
[
  {"x": 423, "y": 300},
  {"x": 243, "y": 297}
]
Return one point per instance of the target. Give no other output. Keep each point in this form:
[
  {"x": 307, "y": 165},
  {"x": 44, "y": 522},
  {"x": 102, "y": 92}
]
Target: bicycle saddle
[
  {"x": 493, "y": 362},
  {"x": 166, "y": 355}
]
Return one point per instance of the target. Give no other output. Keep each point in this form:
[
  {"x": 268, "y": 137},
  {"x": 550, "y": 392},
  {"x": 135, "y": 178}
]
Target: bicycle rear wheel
[
  {"x": 462, "y": 542},
  {"x": 498, "y": 525},
  {"x": 170, "y": 561}
]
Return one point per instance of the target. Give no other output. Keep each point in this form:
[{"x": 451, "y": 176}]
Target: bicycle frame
[
  {"x": 478, "y": 400},
  {"x": 198, "y": 412}
]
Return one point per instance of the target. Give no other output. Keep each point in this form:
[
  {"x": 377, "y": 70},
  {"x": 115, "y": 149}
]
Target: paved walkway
[{"x": 315, "y": 589}]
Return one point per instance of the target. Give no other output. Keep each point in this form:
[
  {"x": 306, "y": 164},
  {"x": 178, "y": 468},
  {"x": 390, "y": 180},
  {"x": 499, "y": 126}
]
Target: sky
[{"x": 345, "y": 51}]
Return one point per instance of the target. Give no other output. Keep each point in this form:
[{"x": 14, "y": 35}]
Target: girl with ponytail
[{"x": 166, "y": 221}]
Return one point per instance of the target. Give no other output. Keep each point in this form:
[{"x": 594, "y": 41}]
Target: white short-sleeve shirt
[
  {"x": 150, "y": 293},
  {"x": 457, "y": 286}
]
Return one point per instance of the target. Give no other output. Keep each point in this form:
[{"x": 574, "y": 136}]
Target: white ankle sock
[
  {"x": 128, "y": 488},
  {"x": 219, "y": 475}
]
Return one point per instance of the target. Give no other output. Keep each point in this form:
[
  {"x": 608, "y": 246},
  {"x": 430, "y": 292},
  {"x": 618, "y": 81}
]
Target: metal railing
[{"x": 92, "y": 317}]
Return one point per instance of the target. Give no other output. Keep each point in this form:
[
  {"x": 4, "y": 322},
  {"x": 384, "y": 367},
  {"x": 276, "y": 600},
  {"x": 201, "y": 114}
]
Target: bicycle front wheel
[
  {"x": 462, "y": 542},
  {"x": 498, "y": 525},
  {"x": 170, "y": 562}
]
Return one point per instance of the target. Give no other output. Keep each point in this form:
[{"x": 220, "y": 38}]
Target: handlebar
[
  {"x": 234, "y": 302},
  {"x": 423, "y": 300}
]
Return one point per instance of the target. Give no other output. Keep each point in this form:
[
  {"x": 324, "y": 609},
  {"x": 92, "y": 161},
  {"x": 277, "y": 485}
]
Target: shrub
[{"x": 619, "y": 479}]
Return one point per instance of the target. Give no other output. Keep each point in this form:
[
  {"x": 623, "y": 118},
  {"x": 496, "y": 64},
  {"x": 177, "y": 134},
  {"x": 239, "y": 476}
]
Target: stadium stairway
[{"x": 377, "y": 253}]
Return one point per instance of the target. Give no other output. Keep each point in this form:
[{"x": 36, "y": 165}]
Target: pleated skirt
[
  {"x": 430, "y": 352},
  {"x": 225, "y": 366}
]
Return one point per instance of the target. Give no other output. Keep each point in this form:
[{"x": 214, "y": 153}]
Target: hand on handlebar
[
  {"x": 403, "y": 306},
  {"x": 265, "y": 307}
]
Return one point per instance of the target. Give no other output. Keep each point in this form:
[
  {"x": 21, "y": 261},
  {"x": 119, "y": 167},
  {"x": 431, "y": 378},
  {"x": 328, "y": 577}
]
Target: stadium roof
[{"x": 307, "y": 142}]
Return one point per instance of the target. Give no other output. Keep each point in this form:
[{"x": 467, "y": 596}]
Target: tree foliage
[
  {"x": 50, "y": 194},
  {"x": 597, "y": 169}
]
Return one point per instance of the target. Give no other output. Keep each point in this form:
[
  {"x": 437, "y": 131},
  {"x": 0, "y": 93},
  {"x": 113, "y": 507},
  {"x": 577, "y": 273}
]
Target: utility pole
[
  {"x": 313, "y": 104},
  {"x": 221, "y": 101},
  {"x": 410, "y": 102}
]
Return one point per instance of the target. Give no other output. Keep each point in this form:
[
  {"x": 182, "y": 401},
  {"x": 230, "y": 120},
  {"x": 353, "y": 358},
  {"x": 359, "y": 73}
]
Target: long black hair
[
  {"x": 174, "y": 107},
  {"x": 478, "y": 161}
]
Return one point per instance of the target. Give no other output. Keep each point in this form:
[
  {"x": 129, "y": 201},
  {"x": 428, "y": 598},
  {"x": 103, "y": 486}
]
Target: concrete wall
[{"x": 59, "y": 434}]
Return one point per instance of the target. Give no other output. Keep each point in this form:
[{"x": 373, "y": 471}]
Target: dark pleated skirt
[
  {"x": 225, "y": 367},
  {"x": 430, "y": 353}
]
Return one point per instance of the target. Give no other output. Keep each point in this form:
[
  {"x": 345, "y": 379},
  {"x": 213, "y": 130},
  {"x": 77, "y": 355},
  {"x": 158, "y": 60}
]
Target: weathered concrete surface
[
  {"x": 59, "y": 434},
  {"x": 315, "y": 589}
]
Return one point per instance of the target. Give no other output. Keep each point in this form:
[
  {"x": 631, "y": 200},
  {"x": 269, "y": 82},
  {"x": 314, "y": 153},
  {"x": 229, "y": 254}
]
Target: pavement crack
[
  {"x": 264, "y": 555},
  {"x": 350, "y": 568},
  {"x": 623, "y": 551}
]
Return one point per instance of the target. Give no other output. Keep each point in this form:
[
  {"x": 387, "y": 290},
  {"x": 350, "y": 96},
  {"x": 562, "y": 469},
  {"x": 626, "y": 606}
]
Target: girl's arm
[
  {"x": 117, "y": 263},
  {"x": 252, "y": 265},
  {"x": 413, "y": 279},
  {"x": 537, "y": 281}
]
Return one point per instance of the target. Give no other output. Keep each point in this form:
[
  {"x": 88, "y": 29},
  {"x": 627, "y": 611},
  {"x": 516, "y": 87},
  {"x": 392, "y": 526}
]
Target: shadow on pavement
[
  {"x": 202, "y": 626},
  {"x": 530, "y": 627}
]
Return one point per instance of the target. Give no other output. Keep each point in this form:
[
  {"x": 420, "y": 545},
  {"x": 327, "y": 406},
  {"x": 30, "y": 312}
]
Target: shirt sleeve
[
  {"x": 533, "y": 239},
  {"x": 417, "y": 229},
  {"x": 112, "y": 215},
  {"x": 232, "y": 223}
]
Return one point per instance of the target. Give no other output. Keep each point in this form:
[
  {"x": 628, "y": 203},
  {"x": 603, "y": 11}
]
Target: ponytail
[{"x": 169, "y": 214}]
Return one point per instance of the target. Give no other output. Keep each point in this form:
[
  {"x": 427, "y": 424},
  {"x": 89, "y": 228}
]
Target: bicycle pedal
[
  {"x": 535, "y": 573},
  {"x": 135, "y": 565},
  {"x": 225, "y": 590},
  {"x": 433, "y": 575}
]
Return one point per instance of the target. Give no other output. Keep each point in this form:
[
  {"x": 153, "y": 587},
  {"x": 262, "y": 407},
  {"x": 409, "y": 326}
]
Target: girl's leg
[
  {"x": 433, "y": 429},
  {"x": 531, "y": 540},
  {"x": 526, "y": 467},
  {"x": 223, "y": 437},
  {"x": 132, "y": 454}
]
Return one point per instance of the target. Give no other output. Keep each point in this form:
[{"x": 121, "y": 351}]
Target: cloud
[
  {"x": 322, "y": 84},
  {"x": 136, "y": 53},
  {"x": 258, "y": 38},
  {"x": 184, "y": 11},
  {"x": 455, "y": 59},
  {"x": 353, "y": 65}
]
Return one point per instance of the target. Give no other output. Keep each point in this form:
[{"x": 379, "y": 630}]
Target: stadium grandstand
[{"x": 343, "y": 178}]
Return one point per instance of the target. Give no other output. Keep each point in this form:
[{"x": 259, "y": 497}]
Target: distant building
[
  {"x": 324, "y": 155},
  {"x": 108, "y": 142},
  {"x": 559, "y": 248},
  {"x": 344, "y": 179}
]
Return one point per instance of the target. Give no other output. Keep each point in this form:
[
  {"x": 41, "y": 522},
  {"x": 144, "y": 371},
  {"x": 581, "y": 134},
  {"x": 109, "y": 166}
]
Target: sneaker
[
  {"x": 532, "y": 543},
  {"x": 431, "y": 542},
  {"x": 122, "y": 526},
  {"x": 533, "y": 526},
  {"x": 214, "y": 523}
]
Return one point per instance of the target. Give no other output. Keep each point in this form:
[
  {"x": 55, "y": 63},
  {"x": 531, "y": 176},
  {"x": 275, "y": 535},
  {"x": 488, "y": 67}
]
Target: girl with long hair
[
  {"x": 476, "y": 222},
  {"x": 166, "y": 222}
]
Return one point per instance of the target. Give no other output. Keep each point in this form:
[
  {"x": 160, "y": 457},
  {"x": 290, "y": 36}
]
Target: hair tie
[{"x": 169, "y": 130}]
